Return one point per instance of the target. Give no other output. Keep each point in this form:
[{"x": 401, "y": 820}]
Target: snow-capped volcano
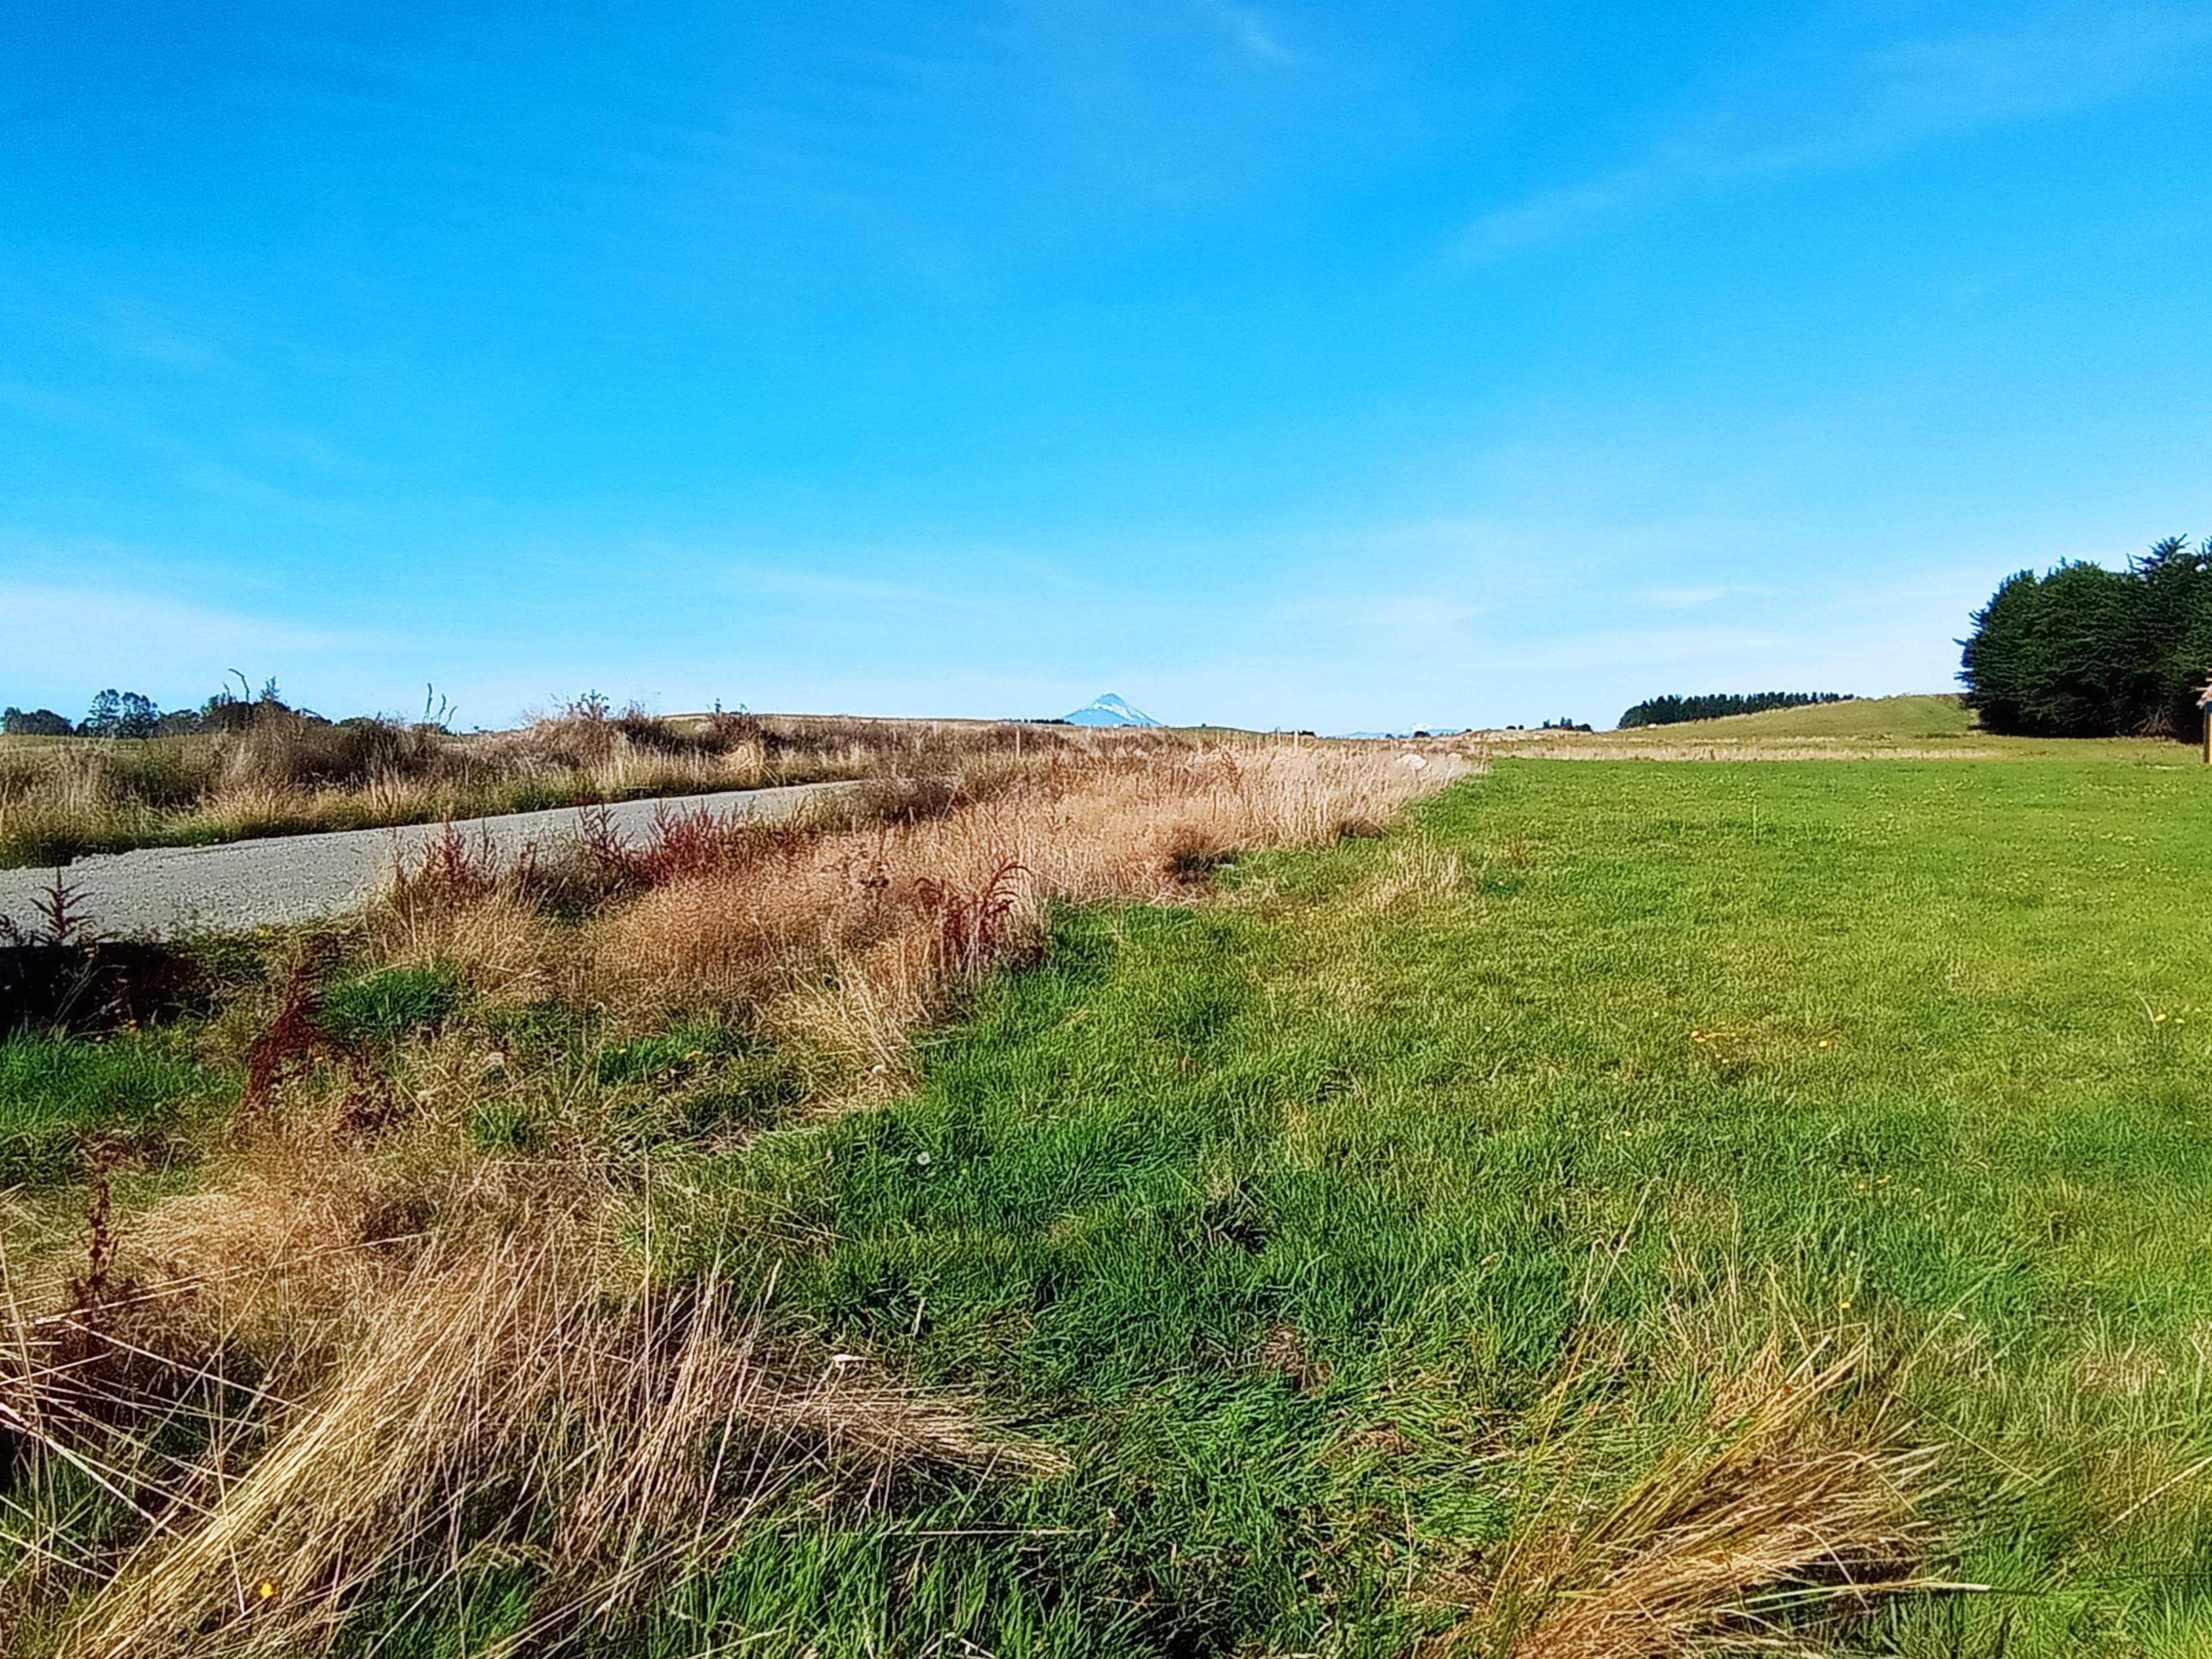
[{"x": 1110, "y": 710}]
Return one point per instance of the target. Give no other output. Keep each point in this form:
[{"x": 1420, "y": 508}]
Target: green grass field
[
  {"x": 1368, "y": 1239},
  {"x": 56, "y": 1097},
  {"x": 1345, "y": 1244}
]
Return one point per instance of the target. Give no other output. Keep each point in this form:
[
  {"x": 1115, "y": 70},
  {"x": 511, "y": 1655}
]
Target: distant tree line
[
  {"x": 1673, "y": 711},
  {"x": 2085, "y": 652},
  {"x": 117, "y": 713}
]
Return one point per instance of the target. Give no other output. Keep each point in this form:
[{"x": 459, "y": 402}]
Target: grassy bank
[
  {"x": 1626, "y": 1211},
  {"x": 375, "y": 1257}
]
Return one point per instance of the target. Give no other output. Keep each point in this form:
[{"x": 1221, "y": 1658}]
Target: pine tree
[{"x": 2082, "y": 650}]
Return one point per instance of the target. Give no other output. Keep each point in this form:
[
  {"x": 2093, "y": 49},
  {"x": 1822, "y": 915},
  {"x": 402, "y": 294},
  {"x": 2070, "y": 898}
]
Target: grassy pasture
[
  {"x": 1348, "y": 1242},
  {"x": 1394, "y": 1249}
]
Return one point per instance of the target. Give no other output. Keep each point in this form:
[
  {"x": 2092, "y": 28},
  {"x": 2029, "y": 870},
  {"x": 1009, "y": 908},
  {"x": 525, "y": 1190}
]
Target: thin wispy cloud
[
  {"x": 163, "y": 347},
  {"x": 1252, "y": 33},
  {"x": 1696, "y": 598},
  {"x": 201, "y": 463},
  {"x": 1875, "y": 102},
  {"x": 1433, "y": 620},
  {"x": 810, "y": 582},
  {"x": 297, "y": 446}
]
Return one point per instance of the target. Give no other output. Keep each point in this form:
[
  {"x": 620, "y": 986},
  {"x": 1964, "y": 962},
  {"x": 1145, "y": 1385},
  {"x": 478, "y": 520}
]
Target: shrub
[{"x": 283, "y": 748}]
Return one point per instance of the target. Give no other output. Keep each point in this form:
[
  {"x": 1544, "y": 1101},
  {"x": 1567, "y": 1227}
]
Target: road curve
[{"x": 158, "y": 892}]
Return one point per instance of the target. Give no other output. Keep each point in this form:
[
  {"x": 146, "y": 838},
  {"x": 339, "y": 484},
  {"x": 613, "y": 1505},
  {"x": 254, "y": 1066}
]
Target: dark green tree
[
  {"x": 1993, "y": 659},
  {"x": 120, "y": 715},
  {"x": 2083, "y": 651},
  {"x": 2089, "y": 680},
  {"x": 34, "y": 723},
  {"x": 2174, "y": 633}
]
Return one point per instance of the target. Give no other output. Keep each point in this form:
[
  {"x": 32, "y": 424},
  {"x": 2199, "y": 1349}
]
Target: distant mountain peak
[{"x": 1111, "y": 710}]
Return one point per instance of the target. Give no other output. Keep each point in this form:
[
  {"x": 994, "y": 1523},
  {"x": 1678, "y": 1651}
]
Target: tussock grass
[
  {"x": 1791, "y": 1503},
  {"x": 494, "y": 1388}
]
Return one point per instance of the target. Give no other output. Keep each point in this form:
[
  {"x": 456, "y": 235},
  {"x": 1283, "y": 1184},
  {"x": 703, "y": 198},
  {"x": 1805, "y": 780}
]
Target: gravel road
[{"x": 162, "y": 891}]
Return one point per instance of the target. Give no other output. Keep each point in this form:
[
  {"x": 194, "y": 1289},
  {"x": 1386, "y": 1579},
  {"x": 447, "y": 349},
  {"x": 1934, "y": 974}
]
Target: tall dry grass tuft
[
  {"x": 457, "y": 903},
  {"x": 1422, "y": 871},
  {"x": 1796, "y": 1506},
  {"x": 503, "y": 1389}
]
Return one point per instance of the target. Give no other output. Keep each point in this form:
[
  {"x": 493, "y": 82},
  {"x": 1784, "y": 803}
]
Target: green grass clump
[
  {"x": 700, "y": 1077},
  {"x": 387, "y": 1005},
  {"x": 60, "y": 1095}
]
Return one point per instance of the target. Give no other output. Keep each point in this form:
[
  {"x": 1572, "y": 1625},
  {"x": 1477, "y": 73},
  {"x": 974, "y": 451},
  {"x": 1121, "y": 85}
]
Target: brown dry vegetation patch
[
  {"x": 327, "y": 1368},
  {"x": 277, "y": 770},
  {"x": 848, "y": 949}
]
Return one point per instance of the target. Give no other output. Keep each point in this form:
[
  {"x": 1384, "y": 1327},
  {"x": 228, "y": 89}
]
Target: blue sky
[{"x": 1340, "y": 367}]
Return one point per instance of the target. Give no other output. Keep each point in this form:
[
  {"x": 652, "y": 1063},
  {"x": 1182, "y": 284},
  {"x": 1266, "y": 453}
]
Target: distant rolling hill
[{"x": 1905, "y": 717}]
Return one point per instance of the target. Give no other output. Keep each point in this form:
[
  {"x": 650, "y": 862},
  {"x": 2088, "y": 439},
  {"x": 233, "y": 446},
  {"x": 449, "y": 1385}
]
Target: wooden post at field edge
[{"x": 2204, "y": 707}]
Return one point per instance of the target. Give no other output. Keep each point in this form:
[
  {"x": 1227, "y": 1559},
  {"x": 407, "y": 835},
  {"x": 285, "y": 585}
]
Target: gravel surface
[{"x": 160, "y": 891}]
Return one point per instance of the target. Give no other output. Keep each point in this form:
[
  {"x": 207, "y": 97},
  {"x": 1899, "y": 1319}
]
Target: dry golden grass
[
  {"x": 849, "y": 949},
  {"x": 505, "y": 946},
  {"x": 495, "y": 1377},
  {"x": 282, "y": 773},
  {"x": 1795, "y": 1500}
]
